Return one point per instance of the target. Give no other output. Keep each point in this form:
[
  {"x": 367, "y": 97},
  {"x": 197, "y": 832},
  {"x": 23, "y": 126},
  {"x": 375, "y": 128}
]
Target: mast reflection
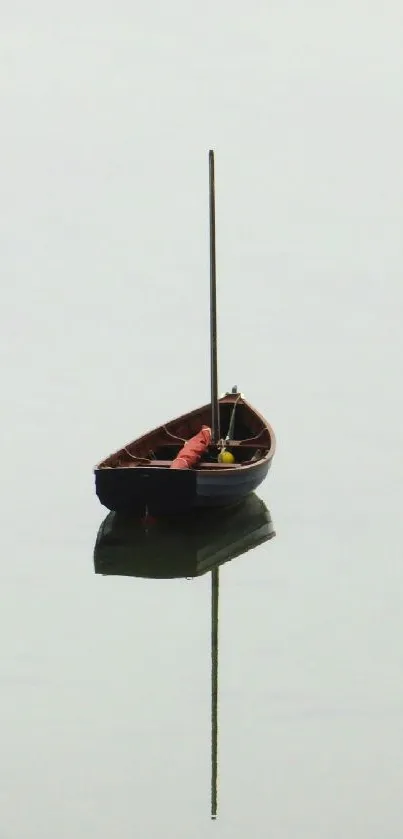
[
  {"x": 186, "y": 547},
  {"x": 215, "y": 584}
]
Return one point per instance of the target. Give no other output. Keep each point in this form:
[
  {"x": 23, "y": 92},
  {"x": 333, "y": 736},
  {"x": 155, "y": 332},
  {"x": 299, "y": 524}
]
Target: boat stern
[{"x": 146, "y": 489}]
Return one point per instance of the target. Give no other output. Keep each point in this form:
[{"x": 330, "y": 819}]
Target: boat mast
[
  {"x": 214, "y": 689},
  {"x": 215, "y": 416}
]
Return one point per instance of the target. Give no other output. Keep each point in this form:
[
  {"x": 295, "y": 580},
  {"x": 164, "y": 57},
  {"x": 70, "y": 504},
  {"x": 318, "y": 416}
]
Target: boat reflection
[
  {"x": 186, "y": 546},
  {"x": 182, "y": 546}
]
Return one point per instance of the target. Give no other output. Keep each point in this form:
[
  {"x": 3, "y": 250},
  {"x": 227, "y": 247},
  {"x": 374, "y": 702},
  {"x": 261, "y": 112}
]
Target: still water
[{"x": 106, "y": 701}]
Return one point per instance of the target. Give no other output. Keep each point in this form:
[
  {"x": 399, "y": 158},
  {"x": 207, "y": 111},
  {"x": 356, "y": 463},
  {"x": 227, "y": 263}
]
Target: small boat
[
  {"x": 176, "y": 546},
  {"x": 140, "y": 475},
  {"x": 212, "y": 456}
]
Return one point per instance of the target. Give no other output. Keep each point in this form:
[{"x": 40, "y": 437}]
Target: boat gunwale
[{"x": 225, "y": 400}]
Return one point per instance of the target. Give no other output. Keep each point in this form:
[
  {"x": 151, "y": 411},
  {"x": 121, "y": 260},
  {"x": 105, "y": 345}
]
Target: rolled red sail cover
[{"x": 193, "y": 449}]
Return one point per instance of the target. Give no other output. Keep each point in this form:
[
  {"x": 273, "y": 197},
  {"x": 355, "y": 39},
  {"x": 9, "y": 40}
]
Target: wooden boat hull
[
  {"x": 174, "y": 546},
  {"x": 163, "y": 491},
  {"x": 126, "y": 482}
]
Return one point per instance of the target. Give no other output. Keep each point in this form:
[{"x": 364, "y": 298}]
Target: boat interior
[{"x": 250, "y": 439}]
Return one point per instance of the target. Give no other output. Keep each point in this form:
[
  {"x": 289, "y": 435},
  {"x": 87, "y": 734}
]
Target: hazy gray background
[{"x": 107, "y": 114}]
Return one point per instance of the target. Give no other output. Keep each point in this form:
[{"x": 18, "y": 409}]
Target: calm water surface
[{"x": 107, "y": 116}]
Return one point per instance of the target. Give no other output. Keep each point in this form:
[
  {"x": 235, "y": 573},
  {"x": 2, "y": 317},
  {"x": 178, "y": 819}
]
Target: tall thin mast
[
  {"x": 215, "y": 416},
  {"x": 214, "y": 689}
]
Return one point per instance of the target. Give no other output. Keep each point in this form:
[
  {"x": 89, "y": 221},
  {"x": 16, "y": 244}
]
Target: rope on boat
[
  {"x": 174, "y": 436},
  {"x": 232, "y": 420},
  {"x": 246, "y": 439},
  {"x": 135, "y": 457},
  {"x": 256, "y": 436}
]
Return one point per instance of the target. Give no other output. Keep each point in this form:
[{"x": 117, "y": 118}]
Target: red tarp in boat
[{"x": 193, "y": 449}]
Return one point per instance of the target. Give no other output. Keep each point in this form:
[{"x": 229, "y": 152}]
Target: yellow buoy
[{"x": 226, "y": 457}]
